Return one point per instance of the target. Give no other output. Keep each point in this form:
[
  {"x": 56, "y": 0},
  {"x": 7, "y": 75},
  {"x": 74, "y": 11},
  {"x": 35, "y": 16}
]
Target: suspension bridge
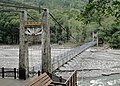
[
  {"x": 30, "y": 30},
  {"x": 62, "y": 59}
]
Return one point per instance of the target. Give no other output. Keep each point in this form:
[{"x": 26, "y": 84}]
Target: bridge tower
[
  {"x": 95, "y": 37},
  {"x": 23, "y": 48},
  {"x": 46, "y": 49}
]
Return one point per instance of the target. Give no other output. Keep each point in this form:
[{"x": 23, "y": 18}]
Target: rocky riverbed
[
  {"x": 9, "y": 55},
  {"x": 96, "y": 67}
]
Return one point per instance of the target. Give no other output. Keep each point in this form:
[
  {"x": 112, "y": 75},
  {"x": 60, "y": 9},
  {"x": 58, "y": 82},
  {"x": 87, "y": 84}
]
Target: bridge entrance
[
  {"x": 32, "y": 29},
  {"x": 29, "y": 31}
]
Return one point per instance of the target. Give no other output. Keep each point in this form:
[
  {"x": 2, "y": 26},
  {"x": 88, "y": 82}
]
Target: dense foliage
[
  {"x": 65, "y": 11},
  {"x": 9, "y": 28},
  {"x": 106, "y": 14}
]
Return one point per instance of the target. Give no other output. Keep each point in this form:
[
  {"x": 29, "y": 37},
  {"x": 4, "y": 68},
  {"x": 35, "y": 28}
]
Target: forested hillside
[
  {"x": 106, "y": 15},
  {"x": 65, "y": 11},
  {"x": 79, "y": 18},
  {"x": 57, "y": 4}
]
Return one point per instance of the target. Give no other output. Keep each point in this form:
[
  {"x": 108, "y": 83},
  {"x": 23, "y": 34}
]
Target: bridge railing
[
  {"x": 60, "y": 60},
  {"x": 13, "y": 72},
  {"x": 8, "y": 72},
  {"x": 72, "y": 80}
]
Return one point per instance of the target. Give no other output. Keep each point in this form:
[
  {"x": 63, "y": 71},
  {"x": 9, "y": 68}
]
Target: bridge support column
[
  {"x": 97, "y": 39},
  {"x": 23, "y": 49},
  {"x": 46, "y": 50},
  {"x": 93, "y": 35}
]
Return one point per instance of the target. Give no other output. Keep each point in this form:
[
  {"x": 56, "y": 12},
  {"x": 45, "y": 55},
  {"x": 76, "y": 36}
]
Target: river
[
  {"x": 9, "y": 55},
  {"x": 98, "y": 66},
  {"x": 113, "y": 80},
  {"x": 107, "y": 61}
]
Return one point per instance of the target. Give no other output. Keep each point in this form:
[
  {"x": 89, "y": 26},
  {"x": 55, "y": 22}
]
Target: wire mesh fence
[{"x": 65, "y": 57}]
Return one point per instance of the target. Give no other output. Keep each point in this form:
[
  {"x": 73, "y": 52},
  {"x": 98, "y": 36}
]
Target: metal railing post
[
  {"x": 3, "y": 72},
  {"x": 58, "y": 61},
  {"x": 14, "y": 73},
  {"x": 38, "y": 73}
]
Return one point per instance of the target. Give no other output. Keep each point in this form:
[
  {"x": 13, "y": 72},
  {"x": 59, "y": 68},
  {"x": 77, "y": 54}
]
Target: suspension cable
[
  {"x": 31, "y": 17},
  {"x": 11, "y": 10},
  {"x": 60, "y": 25}
]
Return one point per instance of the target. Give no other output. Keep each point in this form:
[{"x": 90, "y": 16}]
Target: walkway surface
[
  {"x": 13, "y": 82},
  {"x": 9, "y": 55}
]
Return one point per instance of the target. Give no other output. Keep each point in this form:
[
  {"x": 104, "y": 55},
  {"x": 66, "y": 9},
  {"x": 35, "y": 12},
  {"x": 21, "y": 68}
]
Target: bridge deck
[{"x": 62, "y": 59}]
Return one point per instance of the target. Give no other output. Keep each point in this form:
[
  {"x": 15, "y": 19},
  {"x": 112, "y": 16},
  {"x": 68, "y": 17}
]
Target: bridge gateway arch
[{"x": 23, "y": 45}]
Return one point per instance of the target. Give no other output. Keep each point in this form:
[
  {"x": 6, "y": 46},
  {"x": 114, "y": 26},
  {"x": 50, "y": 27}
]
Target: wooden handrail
[
  {"x": 70, "y": 76},
  {"x": 59, "y": 83},
  {"x": 42, "y": 80},
  {"x": 71, "y": 81}
]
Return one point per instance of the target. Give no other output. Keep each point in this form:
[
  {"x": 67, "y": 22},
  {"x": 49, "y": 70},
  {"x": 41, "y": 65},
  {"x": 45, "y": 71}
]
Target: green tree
[{"x": 106, "y": 14}]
